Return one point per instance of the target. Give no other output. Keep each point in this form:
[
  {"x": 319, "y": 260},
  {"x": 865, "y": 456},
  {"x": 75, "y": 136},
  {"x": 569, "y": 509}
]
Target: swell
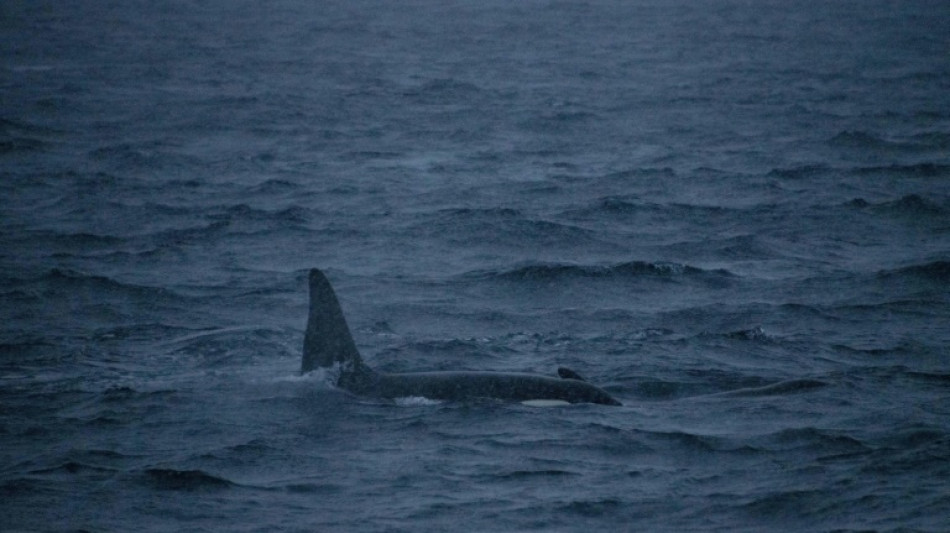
[
  {"x": 918, "y": 170},
  {"x": 244, "y": 213},
  {"x": 741, "y": 247},
  {"x": 218, "y": 221},
  {"x": 226, "y": 347},
  {"x": 142, "y": 230},
  {"x": 143, "y": 156},
  {"x": 806, "y": 440},
  {"x": 442, "y": 91},
  {"x": 632, "y": 270},
  {"x": 500, "y": 226},
  {"x": 61, "y": 311},
  {"x": 184, "y": 480},
  {"x": 782, "y": 388},
  {"x": 911, "y": 204},
  {"x": 94, "y": 463},
  {"x": 934, "y": 271},
  {"x": 114, "y": 407},
  {"x": 723, "y": 384},
  {"x": 22, "y": 137},
  {"x": 72, "y": 468},
  {"x": 12, "y": 145},
  {"x": 447, "y": 351},
  {"x": 913, "y": 170},
  {"x": 630, "y": 205},
  {"x": 66, "y": 243},
  {"x": 69, "y": 281},
  {"x": 863, "y": 140},
  {"x": 538, "y": 475}
]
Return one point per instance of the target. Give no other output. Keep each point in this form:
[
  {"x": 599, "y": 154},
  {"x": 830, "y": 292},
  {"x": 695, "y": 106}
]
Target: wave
[
  {"x": 125, "y": 394},
  {"x": 226, "y": 346},
  {"x": 143, "y": 156},
  {"x": 721, "y": 383},
  {"x": 25, "y": 348},
  {"x": 152, "y": 208},
  {"x": 617, "y": 205},
  {"x": 917, "y": 170},
  {"x": 502, "y": 227},
  {"x": 65, "y": 280},
  {"x": 273, "y": 186},
  {"x": 690, "y": 441},
  {"x": 369, "y": 155},
  {"x": 416, "y": 401},
  {"x": 823, "y": 440},
  {"x": 19, "y": 136},
  {"x": 569, "y": 116},
  {"x": 911, "y": 204},
  {"x": 254, "y": 448},
  {"x": 220, "y": 221},
  {"x": 800, "y": 172},
  {"x": 874, "y": 365},
  {"x": 916, "y": 446},
  {"x": 192, "y": 234},
  {"x": 935, "y": 139},
  {"x": 740, "y": 247},
  {"x": 868, "y": 141},
  {"x": 10, "y": 126},
  {"x": 461, "y": 347},
  {"x": 22, "y": 144},
  {"x": 185, "y": 480},
  {"x": 645, "y": 172},
  {"x": 88, "y": 463},
  {"x": 72, "y": 467},
  {"x": 518, "y": 475},
  {"x": 782, "y": 388},
  {"x": 592, "y": 508},
  {"x": 936, "y": 378},
  {"x": 444, "y": 91},
  {"x": 468, "y": 213},
  {"x": 858, "y": 139},
  {"x": 935, "y": 271},
  {"x": 782, "y": 504},
  {"x": 244, "y": 212},
  {"x": 543, "y": 272},
  {"x": 81, "y": 242},
  {"x": 752, "y": 334},
  {"x": 556, "y": 121},
  {"x": 312, "y": 488},
  {"x": 682, "y": 441},
  {"x": 631, "y": 205},
  {"x": 115, "y": 406},
  {"x": 72, "y": 280}
]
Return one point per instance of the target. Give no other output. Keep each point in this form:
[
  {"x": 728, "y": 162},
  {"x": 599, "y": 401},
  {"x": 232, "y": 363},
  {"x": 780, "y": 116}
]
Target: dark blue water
[{"x": 734, "y": 216}]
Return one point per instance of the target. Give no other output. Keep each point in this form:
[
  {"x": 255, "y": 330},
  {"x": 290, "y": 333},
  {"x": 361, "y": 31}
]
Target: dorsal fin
[
  {"x": 567, "y": 373},
  {"x": 328, "y": 339}
]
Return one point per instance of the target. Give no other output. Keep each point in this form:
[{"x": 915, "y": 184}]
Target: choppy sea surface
[{"x": 734, "y": 216}]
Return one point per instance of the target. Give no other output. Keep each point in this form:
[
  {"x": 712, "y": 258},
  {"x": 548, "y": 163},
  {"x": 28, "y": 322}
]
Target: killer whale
[{"x": 328, "y": 342}]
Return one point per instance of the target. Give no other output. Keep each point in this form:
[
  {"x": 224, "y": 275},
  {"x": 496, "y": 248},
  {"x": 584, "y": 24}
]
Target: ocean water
[{"x": 734, "y": 216}]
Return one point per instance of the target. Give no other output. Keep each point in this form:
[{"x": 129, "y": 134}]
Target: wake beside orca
[{"x": 328, "y": 342}]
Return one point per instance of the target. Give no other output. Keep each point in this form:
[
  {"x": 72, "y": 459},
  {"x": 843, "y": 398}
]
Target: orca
[{"x": 328, "y": 342}]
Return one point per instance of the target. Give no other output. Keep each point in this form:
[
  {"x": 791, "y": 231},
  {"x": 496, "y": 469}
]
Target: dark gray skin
[
  {"x": 328, "y": 341},
  {"x": 455, "y": 386}
]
